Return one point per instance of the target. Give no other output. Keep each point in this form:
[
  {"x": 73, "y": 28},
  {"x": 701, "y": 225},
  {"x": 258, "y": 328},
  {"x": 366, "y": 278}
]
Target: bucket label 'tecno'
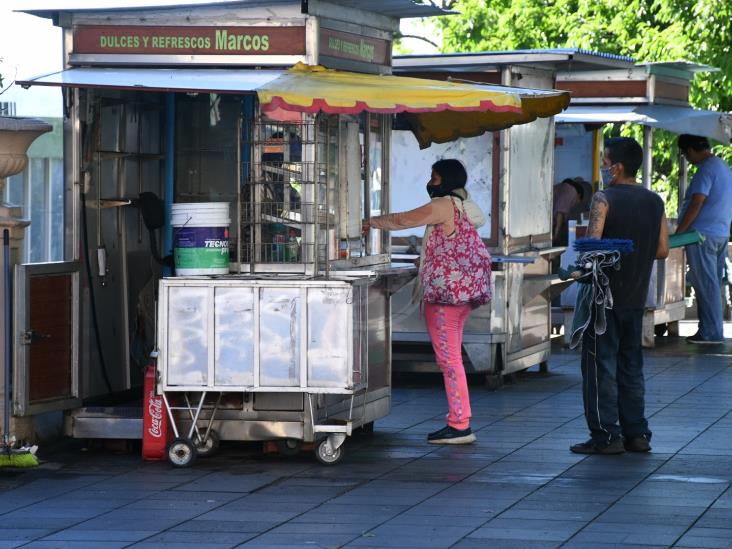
[{"x": 201, "y": 247}]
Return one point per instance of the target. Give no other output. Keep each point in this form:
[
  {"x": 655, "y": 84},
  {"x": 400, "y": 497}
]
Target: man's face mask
[{"x": 606, "y": 174}]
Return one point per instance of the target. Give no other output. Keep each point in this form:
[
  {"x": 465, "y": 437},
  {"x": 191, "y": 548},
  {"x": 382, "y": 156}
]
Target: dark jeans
[{"x": 613, "y": 388}]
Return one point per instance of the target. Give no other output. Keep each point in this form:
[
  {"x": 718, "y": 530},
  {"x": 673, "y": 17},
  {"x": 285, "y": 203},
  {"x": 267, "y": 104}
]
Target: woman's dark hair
[
  {"x": 452, "y": 172},
  {"x": 626, "y": 151},
  {"x": 577, "y": 186},
  {"x": 696, "y": 142}
]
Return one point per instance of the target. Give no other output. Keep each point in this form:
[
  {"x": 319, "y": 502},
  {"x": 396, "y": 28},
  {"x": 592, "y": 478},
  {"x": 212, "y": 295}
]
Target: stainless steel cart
[{"x": 304, "y": 341}]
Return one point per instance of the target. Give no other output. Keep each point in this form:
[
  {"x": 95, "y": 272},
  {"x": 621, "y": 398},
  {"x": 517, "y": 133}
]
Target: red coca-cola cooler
[{"x": 155, "y": 424}]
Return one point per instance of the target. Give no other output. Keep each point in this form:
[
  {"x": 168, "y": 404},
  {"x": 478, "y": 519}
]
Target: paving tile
[
  {"x": 691, "y": 540},
  {"x": 215, "y": 526},
  {"x": 484, "y": 543},
  {"x": 12, "y": 534},
  {"x": 73, "y": 534},
  {"x": 299, "y": 540},
  {"x": 77, "y": 544},
  {"x": 201, "y": 539}
]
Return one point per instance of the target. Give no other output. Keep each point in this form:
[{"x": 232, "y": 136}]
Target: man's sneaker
[
  {"x": 637, "y": 444},
  {"x": 699, "y": 340},
  {"x": 450, "y": 435},
  {"x": 592, "y": 447}
]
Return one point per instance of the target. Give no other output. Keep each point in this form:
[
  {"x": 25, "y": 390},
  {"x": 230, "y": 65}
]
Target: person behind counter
[
  {"x": 567, "y": 195},
  {"x": 613, "y": 387},
  {"x": 708, "y": 209},
  {"x": 454, "y": 272}
]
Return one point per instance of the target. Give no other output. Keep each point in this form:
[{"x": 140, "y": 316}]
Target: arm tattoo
[{"x": 598, "y": 213}]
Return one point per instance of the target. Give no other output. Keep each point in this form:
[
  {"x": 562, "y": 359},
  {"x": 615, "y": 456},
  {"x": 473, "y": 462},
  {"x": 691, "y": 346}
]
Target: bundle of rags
[{"x": 597, "y": 256}]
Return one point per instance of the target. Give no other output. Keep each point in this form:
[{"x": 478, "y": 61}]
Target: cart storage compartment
[{"x": 240, "y": 334}]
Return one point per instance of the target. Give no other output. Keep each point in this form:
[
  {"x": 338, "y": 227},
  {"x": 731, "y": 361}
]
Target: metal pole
[
  {"x": 8, "y": 338},
  {"x": 683, "y": 182},
  {"x": 647, "y": 156},
  {"x": 169, "y": 176}
]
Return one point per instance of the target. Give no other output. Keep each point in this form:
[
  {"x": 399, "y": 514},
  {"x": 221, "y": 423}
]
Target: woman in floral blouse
[{"x": 445, "y": 323}]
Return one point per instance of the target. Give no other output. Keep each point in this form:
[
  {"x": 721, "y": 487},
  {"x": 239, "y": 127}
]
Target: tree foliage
[{"x": 647, "y": 30}]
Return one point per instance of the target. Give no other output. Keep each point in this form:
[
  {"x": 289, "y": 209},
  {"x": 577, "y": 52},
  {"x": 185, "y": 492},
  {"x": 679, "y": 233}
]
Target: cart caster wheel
[
  {"x": 368, "y": 428},
  {"x": 211, "y": 446},
  {"x": 327, "y": 454},
  {"x": 181, "y": 453},
  {"x": 289, "y": 447},
  {"x": 660, "y": 330}
]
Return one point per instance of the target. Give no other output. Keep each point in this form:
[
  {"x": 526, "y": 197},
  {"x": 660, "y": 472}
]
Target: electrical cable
[{"x": 92, "y": 298}]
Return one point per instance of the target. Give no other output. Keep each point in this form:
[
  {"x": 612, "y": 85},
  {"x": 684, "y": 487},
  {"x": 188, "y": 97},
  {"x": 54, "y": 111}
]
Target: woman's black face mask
[
  {"x": 438, "y": 191},
  {"x": 435, "y": 191}
]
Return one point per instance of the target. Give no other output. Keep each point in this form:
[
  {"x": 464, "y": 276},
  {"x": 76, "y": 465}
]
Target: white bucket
[{"x": 201, "y": 238}]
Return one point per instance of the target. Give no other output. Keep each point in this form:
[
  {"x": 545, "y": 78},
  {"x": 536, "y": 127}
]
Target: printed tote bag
[{"x": 456, "y": 270}]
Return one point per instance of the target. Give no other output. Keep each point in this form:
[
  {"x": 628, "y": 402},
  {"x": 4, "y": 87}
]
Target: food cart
[
  {"x": 654, "y": 95},
  {"x": 511, "y": 177},
  {"x": 266, "y": 132}
]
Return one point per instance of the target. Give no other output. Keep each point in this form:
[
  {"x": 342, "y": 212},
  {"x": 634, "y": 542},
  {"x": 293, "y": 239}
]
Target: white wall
[
  {"x": 572, "y": 152},
  {"x": 411, "y": 167}
]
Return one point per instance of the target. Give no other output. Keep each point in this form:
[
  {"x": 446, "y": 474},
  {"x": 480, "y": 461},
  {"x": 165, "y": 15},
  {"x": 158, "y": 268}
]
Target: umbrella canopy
[{"x": 436, "y": 111}]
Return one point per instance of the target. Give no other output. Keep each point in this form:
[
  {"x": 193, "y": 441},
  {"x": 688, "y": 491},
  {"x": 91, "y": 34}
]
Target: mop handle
[{"x": 7, "y": 338}]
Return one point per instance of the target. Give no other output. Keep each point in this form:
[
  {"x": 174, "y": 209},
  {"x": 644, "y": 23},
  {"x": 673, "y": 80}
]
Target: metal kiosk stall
[
  {"x": 293, "y": 344},
  {"x": 654, "y": 95},
  {"x": 511, "y": 175}
]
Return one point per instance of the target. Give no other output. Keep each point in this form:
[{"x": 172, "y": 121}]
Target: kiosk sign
[
  {"x": 226, "y": 40},
  {"x": 346, "y": 45}
]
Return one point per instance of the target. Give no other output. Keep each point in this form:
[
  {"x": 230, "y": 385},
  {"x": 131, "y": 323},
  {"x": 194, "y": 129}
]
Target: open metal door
[{"x": 46, "y": 325}]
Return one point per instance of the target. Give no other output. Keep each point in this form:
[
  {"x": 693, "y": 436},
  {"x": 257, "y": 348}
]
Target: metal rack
[{"x": 289, "y": 195}]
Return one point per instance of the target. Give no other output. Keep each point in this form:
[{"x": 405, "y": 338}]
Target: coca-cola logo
[{"x": 155, "y": 410}]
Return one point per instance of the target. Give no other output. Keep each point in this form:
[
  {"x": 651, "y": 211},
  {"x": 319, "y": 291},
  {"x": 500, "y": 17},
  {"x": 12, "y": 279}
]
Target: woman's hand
[
  {"x": 365, "y": 227},
  {"x": 417, "y": 262}
]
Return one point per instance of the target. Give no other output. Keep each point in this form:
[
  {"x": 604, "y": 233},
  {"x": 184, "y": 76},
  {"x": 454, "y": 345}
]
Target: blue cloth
[
  {"x": 713, "y": 179},
  {"x": 613, "y": 387},
  {"x": 706, "y": 269}
]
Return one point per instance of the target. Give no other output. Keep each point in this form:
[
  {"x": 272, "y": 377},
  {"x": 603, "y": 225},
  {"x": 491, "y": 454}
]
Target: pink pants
[{"x": 445, "y": 325}]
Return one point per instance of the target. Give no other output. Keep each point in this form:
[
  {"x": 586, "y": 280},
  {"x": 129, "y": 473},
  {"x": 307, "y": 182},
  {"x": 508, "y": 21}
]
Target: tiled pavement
[{"x": 518, "y": 486}]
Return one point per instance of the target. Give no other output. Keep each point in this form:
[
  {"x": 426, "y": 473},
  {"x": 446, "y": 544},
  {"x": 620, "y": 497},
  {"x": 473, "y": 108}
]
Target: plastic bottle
[
  {"x": 279, "y": 240},
  {"x": 292, "y": 252}
]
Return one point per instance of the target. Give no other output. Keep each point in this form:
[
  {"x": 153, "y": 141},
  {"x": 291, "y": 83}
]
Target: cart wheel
[
  {"x": 289, "y": 447},
  {"x": 660, "y": 330},
  {"x": 211, "y": 446},
  {"x": 181, "y": 453},
  {"x": 326, "y": 454},
  {"x": 368, "y": 428}
]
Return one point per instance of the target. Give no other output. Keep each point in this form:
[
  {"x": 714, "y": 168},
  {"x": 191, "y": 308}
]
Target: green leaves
[{"x": 647, "y": 30}]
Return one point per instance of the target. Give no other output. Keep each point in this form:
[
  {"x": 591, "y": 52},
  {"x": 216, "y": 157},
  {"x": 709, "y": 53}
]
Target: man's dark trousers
[{"x": 613, "y": 388}]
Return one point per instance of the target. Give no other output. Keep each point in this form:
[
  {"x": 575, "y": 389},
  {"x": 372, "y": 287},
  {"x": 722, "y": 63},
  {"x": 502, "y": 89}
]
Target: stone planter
[{"x": 16, "y": 135}]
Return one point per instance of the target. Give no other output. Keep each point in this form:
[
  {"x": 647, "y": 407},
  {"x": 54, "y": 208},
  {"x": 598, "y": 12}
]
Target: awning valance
[
  {"x": 436, "y": 111},
  {"x": 711, "y": 124}
]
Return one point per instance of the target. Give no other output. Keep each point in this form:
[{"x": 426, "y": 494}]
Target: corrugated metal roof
[
  {"x": 390, "y": 8},
  {"x": 571, "y": 52},
  {"x": 715, "y": 125},
  {"x": 178, "y": 80},
  {"x": 396, "y": 8}
]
